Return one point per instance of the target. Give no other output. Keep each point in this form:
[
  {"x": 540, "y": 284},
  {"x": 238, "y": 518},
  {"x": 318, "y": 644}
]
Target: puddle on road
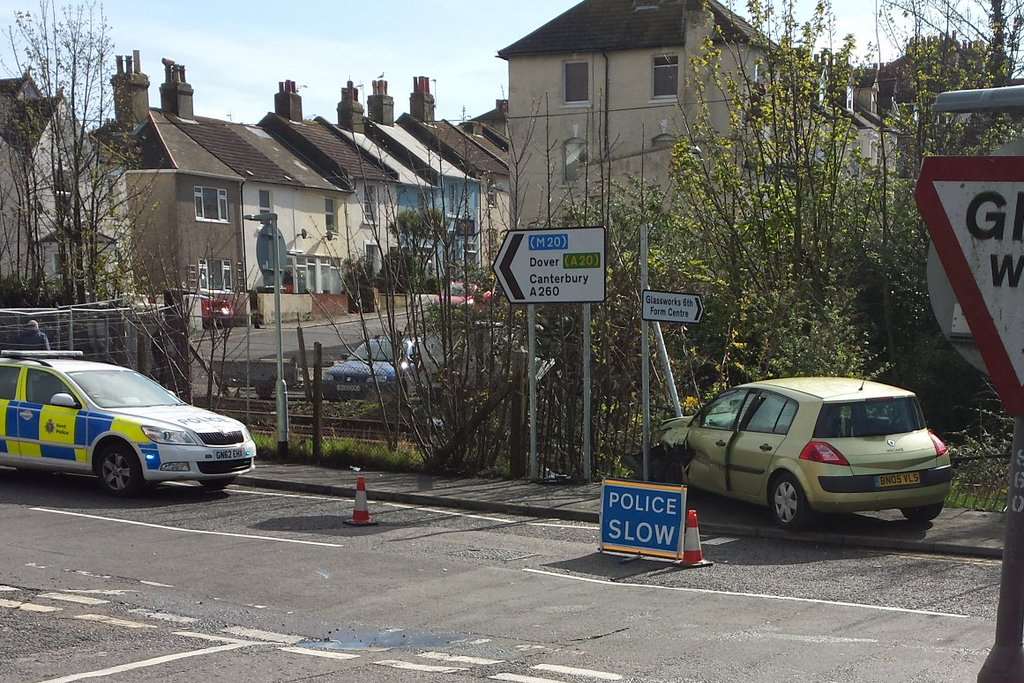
[{"x": 370, "y": 641}]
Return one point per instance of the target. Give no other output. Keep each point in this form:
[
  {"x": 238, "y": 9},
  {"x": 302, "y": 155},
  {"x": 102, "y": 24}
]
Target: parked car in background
[
  {"x": 814, "y": 444},
  {"x": 375, "y": 363},
  {"x": 461, "y": 293}
]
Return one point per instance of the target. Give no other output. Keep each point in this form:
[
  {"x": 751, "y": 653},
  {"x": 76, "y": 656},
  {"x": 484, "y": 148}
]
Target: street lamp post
[{"x": 269, "y": 233}]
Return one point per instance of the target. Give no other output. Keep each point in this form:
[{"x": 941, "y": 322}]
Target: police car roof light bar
[{"x": 42, "y": 355}]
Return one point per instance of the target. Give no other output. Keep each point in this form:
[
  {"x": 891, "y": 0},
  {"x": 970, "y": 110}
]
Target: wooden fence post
[
  {"x": 306, "y": 388},
  {"x": 318, "y": 361}
]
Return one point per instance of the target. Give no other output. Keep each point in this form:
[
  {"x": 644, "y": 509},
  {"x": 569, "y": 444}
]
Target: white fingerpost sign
[{"x": 672, "y": 307}]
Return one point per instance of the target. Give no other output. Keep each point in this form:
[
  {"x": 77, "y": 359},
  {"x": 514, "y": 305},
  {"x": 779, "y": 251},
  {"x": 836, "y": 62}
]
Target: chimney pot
[
  {"x": 287, "y": 101},
  {"x": 380, "y": 106},
  {"x": 120, "y": 64},
  {"x": 131, "y": 91},
  {"x": 421, "y": 102},
  {"x": 175, "y": 92},
  {"x": 136, "y": 62}
]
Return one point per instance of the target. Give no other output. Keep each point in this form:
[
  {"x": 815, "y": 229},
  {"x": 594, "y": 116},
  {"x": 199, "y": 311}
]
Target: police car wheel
[
  {"x": 120, "y": 472},
  {"x": 216, "y": 484}
]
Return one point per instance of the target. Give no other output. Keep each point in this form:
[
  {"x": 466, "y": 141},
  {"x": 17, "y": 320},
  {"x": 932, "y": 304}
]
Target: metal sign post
[
  {"x": 645, "y": 362},
  {"x": 271, "y": 236},
  {"x": 587, "y": 408},
  {"x": 531, "y": 335}
]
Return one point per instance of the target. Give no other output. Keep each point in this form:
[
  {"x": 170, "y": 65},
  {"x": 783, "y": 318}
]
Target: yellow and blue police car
[{"x": 61, "y": 413}]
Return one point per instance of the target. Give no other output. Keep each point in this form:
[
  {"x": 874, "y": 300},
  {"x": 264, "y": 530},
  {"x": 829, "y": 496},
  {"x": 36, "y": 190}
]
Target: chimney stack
[
  {"x": 175, "y": 92},
  {"x": 381, "y": 105},
  {"x": 421, "y": 102},
  {"x": 502, "y": 106},
  {"x": 288, "y": 101},
  {"x": 131, "y": 91},
  {"x": 350, "y": 111}
]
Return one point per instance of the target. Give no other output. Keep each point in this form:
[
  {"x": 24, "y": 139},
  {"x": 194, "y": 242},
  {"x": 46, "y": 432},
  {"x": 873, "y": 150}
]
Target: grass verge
[{"x": 343, "y": 452}]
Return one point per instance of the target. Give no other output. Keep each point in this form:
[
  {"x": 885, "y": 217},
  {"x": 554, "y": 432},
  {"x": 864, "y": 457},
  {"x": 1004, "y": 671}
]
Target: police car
[{"x": 61, "y": 413}]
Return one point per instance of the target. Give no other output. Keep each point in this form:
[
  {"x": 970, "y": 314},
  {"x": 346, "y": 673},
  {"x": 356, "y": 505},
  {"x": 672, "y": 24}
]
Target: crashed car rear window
[{"x": 871, "y": 417}]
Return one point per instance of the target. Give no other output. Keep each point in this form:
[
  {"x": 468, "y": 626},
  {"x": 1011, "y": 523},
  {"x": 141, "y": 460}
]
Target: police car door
[
  {"x": 47, "y": 431},
  {"x": 9, "y": 376}
]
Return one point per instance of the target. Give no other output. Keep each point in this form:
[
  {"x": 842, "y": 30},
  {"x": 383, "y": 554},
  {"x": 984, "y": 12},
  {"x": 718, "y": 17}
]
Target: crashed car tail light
[
  {"x": 820, "y": 451},
  {"x": 940, "y": 446}
]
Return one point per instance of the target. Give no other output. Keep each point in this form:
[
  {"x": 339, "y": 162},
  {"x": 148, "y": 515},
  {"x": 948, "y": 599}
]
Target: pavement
[
  {"x": 955, "y": 532},
  {"x": 260, "y": 585}
]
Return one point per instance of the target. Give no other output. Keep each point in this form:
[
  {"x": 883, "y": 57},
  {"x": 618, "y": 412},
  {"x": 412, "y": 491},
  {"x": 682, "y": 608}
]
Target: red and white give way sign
[{"x": 974, "y": 208}]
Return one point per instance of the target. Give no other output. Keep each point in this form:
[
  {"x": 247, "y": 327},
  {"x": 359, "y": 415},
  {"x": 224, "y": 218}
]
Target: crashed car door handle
[
  {"x": 766, "y": 447},
  {"x": 720, "y": 443}
]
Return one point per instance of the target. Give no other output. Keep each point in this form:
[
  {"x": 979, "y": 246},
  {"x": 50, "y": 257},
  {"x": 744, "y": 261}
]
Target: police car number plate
[{"x": 233, "y": 454}]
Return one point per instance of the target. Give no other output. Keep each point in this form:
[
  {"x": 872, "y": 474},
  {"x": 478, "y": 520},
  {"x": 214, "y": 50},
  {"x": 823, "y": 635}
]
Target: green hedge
[{"x": 343, "y": 452}]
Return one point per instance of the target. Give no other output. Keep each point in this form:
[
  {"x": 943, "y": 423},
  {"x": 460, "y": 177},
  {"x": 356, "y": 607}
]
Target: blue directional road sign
[{"x": 638, "y": 518}]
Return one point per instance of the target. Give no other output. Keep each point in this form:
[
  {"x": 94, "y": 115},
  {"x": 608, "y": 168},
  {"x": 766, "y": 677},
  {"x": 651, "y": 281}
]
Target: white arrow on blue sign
[{"x": 565, "y": 266}]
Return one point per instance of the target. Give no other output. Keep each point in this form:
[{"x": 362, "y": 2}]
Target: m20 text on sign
[
  {"x": 974, "y": 208},
  {"x": 552, "y": 266},
  {"x": 638, "y": 518}
]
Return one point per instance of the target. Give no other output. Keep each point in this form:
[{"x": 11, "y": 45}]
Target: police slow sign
[{"x": 639, "y": 518}]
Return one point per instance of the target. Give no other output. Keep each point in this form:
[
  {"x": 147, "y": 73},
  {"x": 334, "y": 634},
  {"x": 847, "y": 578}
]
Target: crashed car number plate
[
  {"x": 899, "y": 479},
  {"x": 350, "y": 387}
]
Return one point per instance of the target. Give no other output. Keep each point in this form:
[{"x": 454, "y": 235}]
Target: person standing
[{"x": 33, "y": 339}]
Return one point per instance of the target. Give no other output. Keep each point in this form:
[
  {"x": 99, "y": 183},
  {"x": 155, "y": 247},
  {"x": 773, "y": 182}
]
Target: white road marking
[
  {"x": 82, "y": 572},
  {"x": 98, "y": 591},
  {"x": 823, "y": 640},
  {"x": 527, "y": 648},
  {"x": 319, "y": 653},
  {"x": 215, "y": 639},
  {"x": 479, "y": 641},
  {"x": 588, "y": 527},
  {"x": 112, "y": 621},
  {"x": 155, "y": 661},
  {"x": 459, "y": 659},
  {"x": 268, "y": 636},
  {"x": 761, "y": 596},
  {"x": 27, "y": 606},
  {"x": 163, "y": 616},
  {"x": 721, "y": 540},
  {"x": 7, "y": 589},
  {"x": 78, "y": 599},
  {"x": 582, "y": 673},
  {"x": 411, "y": 666},
  {"x": 35, "y": 566},
  {"x": 516, "y": 678},
  {"x": 156, "y": 584},
  {"x": 188, "y": 531}
]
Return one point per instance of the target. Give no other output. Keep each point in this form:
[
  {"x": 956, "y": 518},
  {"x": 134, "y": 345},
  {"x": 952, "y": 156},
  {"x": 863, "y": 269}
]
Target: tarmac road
[{"x": 186, "y": 585}]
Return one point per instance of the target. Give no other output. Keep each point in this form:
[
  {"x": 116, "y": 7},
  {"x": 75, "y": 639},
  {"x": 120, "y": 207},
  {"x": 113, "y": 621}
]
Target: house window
[
  {"x": 215, "y": 274},
  {"x": 211, "y": 203},
  {"x": 330, "y": 218},
  {"x": 577, "y": 82},
  {"x": 849, "y": 98},
  {"x": 265, "y": 204},
  {"x": 369, "y": 204},
  {"x": 666, "y": 76},
  {"x": 453, "y": 198},
  {"x": 575, "y": 156}
]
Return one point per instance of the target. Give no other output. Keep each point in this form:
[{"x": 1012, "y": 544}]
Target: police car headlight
[{"x": 171, "y": 436}]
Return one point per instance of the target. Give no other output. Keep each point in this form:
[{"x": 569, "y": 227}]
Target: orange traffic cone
[
  {"x": 361, "y": 512},
  {"x": 693, "y": 556}
]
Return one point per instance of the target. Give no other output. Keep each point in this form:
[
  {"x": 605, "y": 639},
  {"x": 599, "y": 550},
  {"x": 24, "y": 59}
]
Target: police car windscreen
[{"x": 123, "y": 389}]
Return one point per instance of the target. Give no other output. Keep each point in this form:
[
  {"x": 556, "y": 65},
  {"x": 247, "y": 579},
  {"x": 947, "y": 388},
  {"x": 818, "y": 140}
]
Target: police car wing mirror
[{"x": 64, "y": 400}]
